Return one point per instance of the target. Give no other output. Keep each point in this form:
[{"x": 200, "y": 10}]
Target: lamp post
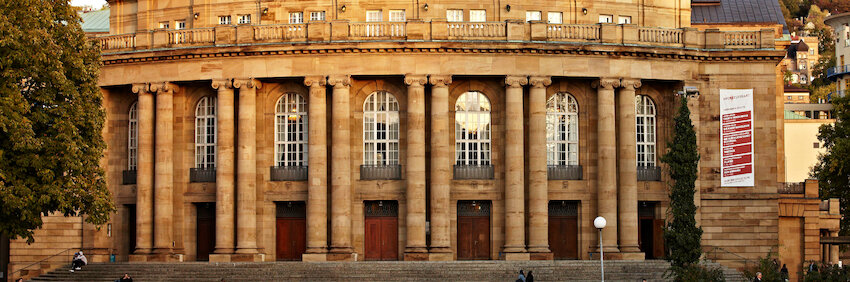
[{"x": 600, "y": 222}]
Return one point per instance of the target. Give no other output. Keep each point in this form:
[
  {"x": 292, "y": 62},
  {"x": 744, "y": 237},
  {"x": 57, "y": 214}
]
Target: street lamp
[{"x": 600, "y": 222}]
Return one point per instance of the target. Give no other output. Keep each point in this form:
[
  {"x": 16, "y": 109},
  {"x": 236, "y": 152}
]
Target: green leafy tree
[
  {"x": 682, "y": 235},
  {"x": 50, "y": 118},
  {"x": 832, "y": 169}
]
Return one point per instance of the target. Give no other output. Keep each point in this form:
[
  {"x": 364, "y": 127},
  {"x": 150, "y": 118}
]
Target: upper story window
[
  {"x": 290, "y": 138},
  {"x": 606, "y": 18},
  {"x": 317, "y": 16},
  {"x": 245, "y": 19},
  {"x": 645, "y": 129},
  {"x": 624, "y": 20},
  {"x": 533, "y": 15},
  {"x": 224, "y": 19},
  {"x": 164, "y": 25},
  {"x": 180, "y": 25},
  {"x": 555, "y": 17},
  {"x": 296, "y": 17},
  {"x": 477, "y": 15},
  {"x": 380, "y": 129},
  {"x": 397, "y": 16},
  {"x": 132, "y": 137},
  {"x": 374, "y": 16},
  {"x": 205, "y": 139},
  {"x": 454, "y": 15},
  {"x": 562, "y": 130},
  {"x": 472, "y": 129}
]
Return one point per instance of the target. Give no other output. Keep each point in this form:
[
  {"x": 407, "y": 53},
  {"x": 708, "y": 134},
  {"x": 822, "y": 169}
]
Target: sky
[{"x": 94, "y": 3}]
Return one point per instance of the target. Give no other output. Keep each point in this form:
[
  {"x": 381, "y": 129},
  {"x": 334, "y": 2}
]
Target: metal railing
[
  {"x": 128, "y": 177},
  {"x": 380, "y": 172},
  {"x": 202, "y": 174},
  {"x": 564, "y": 172},
  {"x": 288, "y": 173},
  {"x": 67, "y": 252},
  {"x": 462, "y": 172},
  {"x": 649, "y": 173},
  {"x": 837, "y": 70}
]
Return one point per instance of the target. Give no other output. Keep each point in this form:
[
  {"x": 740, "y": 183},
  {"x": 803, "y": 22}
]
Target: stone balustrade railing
[{"x": 439, "y": 30}]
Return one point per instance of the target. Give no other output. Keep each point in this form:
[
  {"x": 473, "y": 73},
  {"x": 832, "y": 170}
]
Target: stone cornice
[
  {"x": 540, "y": 81},
  {"x": 516, "y": 80},
  {"x": 315, "y": 81},
  {"x": 339, "y": 80},
  {"x": 222, "y": 83},
  {"x": 164, "y": 87},
  {"x": 630, "y": 83},
  {"x": 607, "y": 83},
  {"x": 415, "y": 79},
  {"x": 440, "y": 80},
  {"x": 247, "y": 83}
]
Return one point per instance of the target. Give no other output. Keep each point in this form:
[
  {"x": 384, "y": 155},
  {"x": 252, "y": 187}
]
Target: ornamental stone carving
[
  {"x": 607, "y": 83},
  {"x": 339, "y": 80},
  {"x": 540, "y": 81},
  {"x": 163, "y": 87},
  {"x": 516, "y": 81},
  {"x": 222, "y": 83},
  {"x": 415, "y": 79},
  {"x": 315, "y": 81},
  {"x": 630, "y": 83},
  {"x": 440, "y": 80},
  {"x": 247, "y": 83}
]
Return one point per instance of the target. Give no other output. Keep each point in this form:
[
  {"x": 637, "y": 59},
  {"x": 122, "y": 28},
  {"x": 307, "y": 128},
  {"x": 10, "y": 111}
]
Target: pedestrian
[
  {"x": 521, "y": 277},
  {"x": 125, "y": 278},
  {"x": 758, "y": 277},
  {"x": 529, "y": 277},
  {"x": 79, "y": 261},
  {"x": 784, "y": 272}
]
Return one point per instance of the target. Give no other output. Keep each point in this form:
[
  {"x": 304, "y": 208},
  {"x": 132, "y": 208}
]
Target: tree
[
  {"x": 832, "y": 169},
  {"x": 834, "y": 6},
  {"x": 682, "y": 235},
  {"x": 50, "y": 118}
]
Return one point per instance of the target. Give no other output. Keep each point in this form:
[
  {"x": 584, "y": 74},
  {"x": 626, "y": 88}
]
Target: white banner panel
[{"x": 736, "y": 138}]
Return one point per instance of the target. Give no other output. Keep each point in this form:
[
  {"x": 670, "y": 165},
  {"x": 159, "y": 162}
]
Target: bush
[
  {"x": 696, "y": 272},
  {"x": 827, "y": 273},
  {"x": 769, "y": 268}
]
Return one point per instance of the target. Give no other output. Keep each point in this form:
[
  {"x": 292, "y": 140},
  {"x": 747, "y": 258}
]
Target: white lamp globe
[{"x": 599, "y": 222}]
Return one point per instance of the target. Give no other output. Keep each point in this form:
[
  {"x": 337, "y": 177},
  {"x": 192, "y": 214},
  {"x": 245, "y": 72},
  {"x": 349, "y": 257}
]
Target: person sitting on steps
[{"x": 79, "y": 261}]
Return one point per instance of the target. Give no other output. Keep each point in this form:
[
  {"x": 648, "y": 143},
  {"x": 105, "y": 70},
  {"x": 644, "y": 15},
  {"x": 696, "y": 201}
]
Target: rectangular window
[
  {"x": 296, "y": 17},
  {"x": 788, "y": 98},
  {"x": 454, "y": 15},
  {"x": 606, "y": 18},
  {"x": 245, "y": 19},
  {"x": 223, "y": 19},
  {"x": 180, "y": 25},
  {"x": 533, "y": 16},
  {"x": 477, "y": 15},
  {"x": 164, "y": 25},
  {"x": 625, "y": 20},
  {"x": 397, "y": 16},
  {"x": 556, "y": 17},
  {"x": 317, "y": 16},
  {"x": 374, "y": 16}
]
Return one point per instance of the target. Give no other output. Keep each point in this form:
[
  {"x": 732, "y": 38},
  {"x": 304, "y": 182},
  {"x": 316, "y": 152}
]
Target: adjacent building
[
  {"x": 801, "y": 58},
  {"x": 840, "y": 24}
]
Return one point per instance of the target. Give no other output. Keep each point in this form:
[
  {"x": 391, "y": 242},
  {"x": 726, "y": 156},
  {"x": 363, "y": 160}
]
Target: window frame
[
  {"x": 646, "y": 126},
  {"x": 315, "y": 18},
  {"x": 453, "y": 14},
  {"x": 379, "y": 151},
  {"x": 296, "y": 17},
  {"x": 474, "y": 14},
  {"x": 396, "y": 13},
  {"x": 206, "y": 150},
  {"x": 243, "y": 19},
  {"x": 224, "y": 20},
  {"x": 559, "y": 15},
  {"x": 529, "y": 16},
  {"x": 624, "y": 19},
  {"x": 292, "y": 150},
  {"x": 608, "y": 18},
  {"x": 473, "y": 149},
  {"x": 370, "y": 16},
  {"x": 133, "y": 137},
  {"x": 562, "y": 130}
]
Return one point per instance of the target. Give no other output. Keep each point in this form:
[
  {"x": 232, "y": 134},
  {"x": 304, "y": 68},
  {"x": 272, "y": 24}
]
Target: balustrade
[
  {"x": 475, "y": 30},
  {"x": 377, "y": 30},
  {"x": 741, "y": 39},
  {"x": 191, "y": 36},
  {"x": 560, "y": 32},
  {"x": 660, "y": 35},
  {"x": 288, "y": 32},
  {"x": 122, "y": 41}
]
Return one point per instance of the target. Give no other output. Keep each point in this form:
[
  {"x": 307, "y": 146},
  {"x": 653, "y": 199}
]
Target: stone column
[
  {"x": 416, "y": 248},
  {"x": 627, "y": 165},
  {"x": 224, "y": 171},
  {"x": 317, "y": 185},
  {"x": 514, "y": 170},
  {"x": 246, "y": 168},
  {"x": 164, "y": 169},
  {"x": 341, "y": 170},
  {"x": 538, "y": 194},
  {"x": 144, "y": 172},
  {"x": 833, "y": 249},
  {"x": 606, "y": 164},
  {"x": 441, "y": 168}
]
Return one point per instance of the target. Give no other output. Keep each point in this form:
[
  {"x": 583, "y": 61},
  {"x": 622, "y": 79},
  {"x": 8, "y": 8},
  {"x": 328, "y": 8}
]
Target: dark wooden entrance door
[
  {"x": 381, "y": 230},
  {"x": 563, "y": 229},
  {"x": 291, "y": 230},
  {"x": 650, "y": 231},
  {"x": 205, "y": 230},
  {"x": 473, "y": 230},
  {"x": 131, "y": 228}
]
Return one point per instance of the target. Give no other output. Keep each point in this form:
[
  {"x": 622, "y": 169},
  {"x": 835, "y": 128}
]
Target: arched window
[
  {"x": 132, "y": 138},
  {"x": 380, "y": 129},
  {"x": 205, "y": 133},
  {"x": 645, "y": 122},
  {"x": 562, "y": 130},
  {"x": 290, "y": 138},
  {"x": 472, "y": 129}
]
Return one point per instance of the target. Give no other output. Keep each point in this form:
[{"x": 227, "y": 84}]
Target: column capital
[
  {"x": 440, "y": 80},
  {"x": 516, "y": 80},
  {"x": 540, "y": 81},
  {"x": 339, "y": 80},
  {"x": 247, "y": 83},
  {"x": 415, "y": 79},
  {"x": 163, "y": 87},
  {"x": 140, "y": 88},
  {"x": 630, "y": 83},
  {"x": 607, "y": 83},
  {"x": 222, "y": 83},
  {"x": 315, "y": 80}
]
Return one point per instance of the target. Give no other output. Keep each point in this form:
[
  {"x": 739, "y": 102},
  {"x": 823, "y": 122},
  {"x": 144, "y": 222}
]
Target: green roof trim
[
  {"x": 95, "y": 21},
  {"x": 792, "y": 115}
]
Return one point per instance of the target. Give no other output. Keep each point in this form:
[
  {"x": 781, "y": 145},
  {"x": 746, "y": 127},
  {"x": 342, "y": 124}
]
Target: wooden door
[
  {"x": 205, "y": 231},
  {"x": 381, "y": 224},
  {"x": 131, "y": 229},
  {"x": 658, "y": 239},
  {"x": 563, "y": 236},
  {"x": 290, "y": 230},
  {"x": 473, "y": 238}
]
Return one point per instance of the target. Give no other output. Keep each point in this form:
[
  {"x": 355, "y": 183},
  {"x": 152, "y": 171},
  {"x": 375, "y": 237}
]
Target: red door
[
  {"x": 205, "y": 231},
  {"x": 291, "y": 241},
  {"x": 563, "y": 236},
  {"x": 381, "y": 238},
  {"x": 473, "y": 237}
]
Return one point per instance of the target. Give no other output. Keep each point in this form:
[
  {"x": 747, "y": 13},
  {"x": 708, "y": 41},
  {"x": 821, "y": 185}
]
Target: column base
[
  {"x": 221, "y": 257},
  {"x": 608, "y": 255},
  {"x": 517, "y": 256},
  {"x": 633, "y": 256},
  {"x": 247, "y": 257},
  {"x": 162, "y": 251},
  {"x": 341, "y": 257},
  {"x": 138, "y": 258},
  {"x": 416, "y": 256},
  {"x": 542, "y": 256},
  {"x": 247, "y": 251},
  {"x": 441, "y": 256},
  {"x": 165, "y": 258},
  {"x": 314, "y": 257}
]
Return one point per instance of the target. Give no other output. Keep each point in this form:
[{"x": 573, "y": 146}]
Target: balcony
[
  {"x": 202, "y": 174},
  {"x": 380, "y": 172},
  {"x": 648, "y": 173},
  {"x": 834, "y": 72},
  {"x": 288, "y": 173},
  {"x": 564, "y": 172},
  {"x": 467, "y": 172},
  {"x": 128, "y": 177},
  {"x": 343, "y": 31}
]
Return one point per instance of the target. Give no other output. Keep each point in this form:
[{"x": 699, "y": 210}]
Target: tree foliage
[
  {"x": 834, "y": 6},
  {"x": 50, "y": 118},
  {"x": 682, "y": 235},
  {"x": 832, "y": 169}
]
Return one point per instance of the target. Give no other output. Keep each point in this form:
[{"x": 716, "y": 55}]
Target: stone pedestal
[
  {"x": 441, "y": 173},
  {"x": 314, "y": 257},
  {"x": 341, "y": 170},
  {"x": 514, "y": 170},
  {"x": 628, "y": 205},
  {"x": 606, "y": 181}
]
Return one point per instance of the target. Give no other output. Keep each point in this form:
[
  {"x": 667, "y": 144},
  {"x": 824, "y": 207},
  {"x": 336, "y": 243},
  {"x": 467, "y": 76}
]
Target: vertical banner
[{"x": 736, "y": 138}]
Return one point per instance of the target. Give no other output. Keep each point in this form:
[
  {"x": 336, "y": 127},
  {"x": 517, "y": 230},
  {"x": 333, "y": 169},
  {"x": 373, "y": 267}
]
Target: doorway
[
  {"x": 473, "y": 230},
  {"x": 291, "y": 230},
  {"x": 205, "y": 232},
  {"x": 563, "y": 229},
  {"x": 650, "y": 231},
  {"x": 381, "y": 230},
  {"x": 131, "y": 228}
]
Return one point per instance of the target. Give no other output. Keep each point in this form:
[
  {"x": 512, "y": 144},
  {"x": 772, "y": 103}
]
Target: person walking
[
  {"x": 784, "y": 272},
  {"x": 529, "y": 277},
  {"x": 758, "y": 277},
  {"x": 521, "y": 277}
]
